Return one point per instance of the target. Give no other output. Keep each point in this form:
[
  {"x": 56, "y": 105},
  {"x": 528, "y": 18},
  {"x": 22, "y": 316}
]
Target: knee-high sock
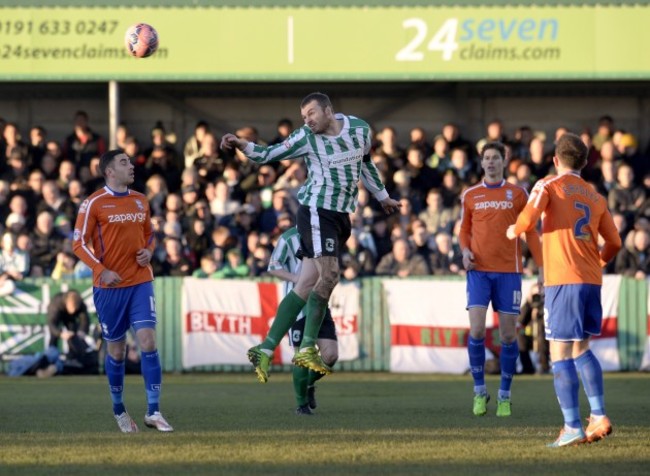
[
  {"x": 509, "y": 355},
  {"x": 476, "y": 352},
  {"x": 300, "y": 380},
  {"x": 152, "y": 373},
  {"x": 565, "y": 380},
  {"x": 591, "y": 374},
  {"x": 115, "y": 374},
  {"x": 316, "y": 308},
  {"x": 285, "y": 317}
]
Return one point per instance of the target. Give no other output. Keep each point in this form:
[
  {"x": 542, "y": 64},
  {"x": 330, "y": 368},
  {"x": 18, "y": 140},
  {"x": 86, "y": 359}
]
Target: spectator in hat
[{"x": 15, "y": 223}]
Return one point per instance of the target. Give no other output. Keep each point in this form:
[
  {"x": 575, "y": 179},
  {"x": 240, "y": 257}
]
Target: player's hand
[
  {"x": 230, "y": 141},
  {"x": 143, "y": 257},
  {"x": 510, "y": 232},
  {"x": 389, "y": 205},
  {"x": 468, "y": 259},
  {"x": 109, "y": 278}
]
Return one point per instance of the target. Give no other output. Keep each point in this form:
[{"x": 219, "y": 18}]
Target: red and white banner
[
  {"x": 605, "y": 346},
  {"x": 222, "y": 319},
  {"x": 429, "y": 326}
]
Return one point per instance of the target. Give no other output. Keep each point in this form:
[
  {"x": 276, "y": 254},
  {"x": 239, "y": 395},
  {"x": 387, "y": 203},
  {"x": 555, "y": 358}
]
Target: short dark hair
[
  {"x": 571, "y": 151},
  {"x": 107, "y": 158},
  {"x": 498, "y": 146},
  {"x": 322, "y": 99}
]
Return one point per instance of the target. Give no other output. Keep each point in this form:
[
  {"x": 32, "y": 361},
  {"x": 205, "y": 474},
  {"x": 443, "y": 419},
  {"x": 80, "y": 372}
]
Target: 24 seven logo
[
  {"x": 127, "y": 217},
  {"x": 456, "y": 33}
]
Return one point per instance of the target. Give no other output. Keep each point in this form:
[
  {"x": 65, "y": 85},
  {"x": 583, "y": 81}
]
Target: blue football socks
[
  {"x": 152, "y": 373},
  {"x": 115, "y": 373},
  {"x": 591, "y": 374},
  {"x": 509, "y": 356},
  {"x": 476, "y": 351},
  {"x": 565, "y": 380}
]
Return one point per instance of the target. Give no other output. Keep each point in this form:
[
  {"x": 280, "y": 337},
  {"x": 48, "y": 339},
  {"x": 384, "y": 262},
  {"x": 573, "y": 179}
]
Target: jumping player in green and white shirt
[
  {"x": 336, "y": 149},
  {"x": 285, "y": 264}
]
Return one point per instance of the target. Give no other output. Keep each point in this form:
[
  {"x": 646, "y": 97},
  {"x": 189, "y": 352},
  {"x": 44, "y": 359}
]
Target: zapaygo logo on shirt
[
  {"x": 127, "y": 217},
  {"x": 496, "y": 204}
]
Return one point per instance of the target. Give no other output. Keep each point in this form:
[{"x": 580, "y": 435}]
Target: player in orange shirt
[
  {"x": 573, "y": 215},
  {"x": 113, "y": 236},
  {"x": 494, "y": 270}
]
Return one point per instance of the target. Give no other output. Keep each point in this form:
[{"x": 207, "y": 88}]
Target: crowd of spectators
[{"x": 218, "y": 215}]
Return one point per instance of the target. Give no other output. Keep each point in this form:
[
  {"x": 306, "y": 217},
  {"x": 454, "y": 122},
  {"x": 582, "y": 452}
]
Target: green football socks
[
  {"x": 316, "y": 308},
  {"x": 300, "y": 378},
  {"x": 288, "y": 311}
]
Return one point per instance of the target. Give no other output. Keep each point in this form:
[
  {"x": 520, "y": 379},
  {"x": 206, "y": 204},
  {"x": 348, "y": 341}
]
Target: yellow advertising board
[{"x": 378, "y": 43}]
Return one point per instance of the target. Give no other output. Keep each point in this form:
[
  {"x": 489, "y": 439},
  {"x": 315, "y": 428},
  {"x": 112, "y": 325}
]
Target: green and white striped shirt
[
  {"x": 334, "y": 164},
  {"x": 284, "y": 257}
]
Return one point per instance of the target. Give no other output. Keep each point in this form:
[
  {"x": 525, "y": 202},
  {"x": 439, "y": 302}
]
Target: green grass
[{"x": 365, "y": 424}]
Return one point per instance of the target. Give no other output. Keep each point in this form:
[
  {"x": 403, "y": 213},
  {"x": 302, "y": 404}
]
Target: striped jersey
[
  {"x": 334, "y": 164},
  {"x": 284, "y": 257},
  {"x": 573, "y": 215},
  {"x": 488, "y": 210},
  {"x": 111, "y": 228}
]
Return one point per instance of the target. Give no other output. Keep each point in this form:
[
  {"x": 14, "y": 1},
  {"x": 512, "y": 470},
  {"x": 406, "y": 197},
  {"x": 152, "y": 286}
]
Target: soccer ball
[{"x": 141, "y": 40}]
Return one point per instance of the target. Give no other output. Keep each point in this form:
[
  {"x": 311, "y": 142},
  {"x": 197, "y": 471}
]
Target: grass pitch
[{"x": 365, "y": 424}]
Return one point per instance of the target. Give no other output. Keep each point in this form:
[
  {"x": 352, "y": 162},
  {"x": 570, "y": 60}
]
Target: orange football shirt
[
  {"x": 110, "y": 229},
  {"x": 488, "y": 211},
  {"x": 573, "y": 215}
]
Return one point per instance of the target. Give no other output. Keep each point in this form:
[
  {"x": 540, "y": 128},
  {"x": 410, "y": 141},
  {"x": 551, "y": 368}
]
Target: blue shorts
[
  {"x": 572, "y": 312},
  {"x": 503, "y": 289},
  {"x": 120, "y": 308}
]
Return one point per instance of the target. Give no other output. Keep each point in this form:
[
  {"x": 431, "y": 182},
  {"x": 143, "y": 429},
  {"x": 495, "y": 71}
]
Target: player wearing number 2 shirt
[
  {"x": 573, "y": 215},
  {"x": 113, "y": 236}
]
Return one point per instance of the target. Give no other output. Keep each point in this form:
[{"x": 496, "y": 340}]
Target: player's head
[
  {"x": 116, "y": 167},
  {"x": 493, "y": 161},
  {"x": 317, "y": 112},
  {"x": 571, "y": 152}
]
